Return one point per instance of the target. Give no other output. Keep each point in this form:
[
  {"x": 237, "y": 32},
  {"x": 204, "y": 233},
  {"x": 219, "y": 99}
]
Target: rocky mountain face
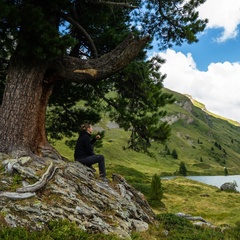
[
  {"x": 34, "y": 192},
  {"x": 186, "y": 105}
]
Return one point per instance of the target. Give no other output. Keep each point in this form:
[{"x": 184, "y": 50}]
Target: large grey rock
[
  {"x": 56, "y": 189},
  {"x": 229, "y": 186}
]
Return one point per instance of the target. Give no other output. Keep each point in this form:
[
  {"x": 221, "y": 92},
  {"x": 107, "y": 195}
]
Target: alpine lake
[{"x": 213, "y": 180}]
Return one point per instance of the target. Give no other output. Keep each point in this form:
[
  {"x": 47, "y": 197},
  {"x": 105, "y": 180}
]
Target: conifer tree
[
  {"x": 156, "y": 193},
  {"x": 174, "y": 154},
  {"x": 182, "y": 169},
  {"x": 79, "y": 50}
]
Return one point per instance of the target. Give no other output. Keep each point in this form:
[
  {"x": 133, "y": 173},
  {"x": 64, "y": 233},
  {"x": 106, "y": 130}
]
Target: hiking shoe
[{"x": 104, "y": 179}]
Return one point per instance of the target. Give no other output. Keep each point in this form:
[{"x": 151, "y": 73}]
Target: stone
[
  {"x": 139, "y": 226},
  {"x": 58, "y": 189},
  {"x": 229, "y": 186},
  {"x": 197, "y": 220}
]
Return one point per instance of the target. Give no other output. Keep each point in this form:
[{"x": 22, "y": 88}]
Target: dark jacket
[{"x": 84, "y": 146}]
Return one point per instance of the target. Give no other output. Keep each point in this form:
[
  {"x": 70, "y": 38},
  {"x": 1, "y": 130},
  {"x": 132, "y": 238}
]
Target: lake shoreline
[{"x": 216, "y": 181}]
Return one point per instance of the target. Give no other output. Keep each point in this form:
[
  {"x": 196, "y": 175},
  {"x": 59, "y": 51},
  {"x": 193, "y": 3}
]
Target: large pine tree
[{"x": 86, "y": 45}]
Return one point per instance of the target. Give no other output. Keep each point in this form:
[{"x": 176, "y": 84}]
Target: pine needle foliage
[{"x": 156, "y": 193}]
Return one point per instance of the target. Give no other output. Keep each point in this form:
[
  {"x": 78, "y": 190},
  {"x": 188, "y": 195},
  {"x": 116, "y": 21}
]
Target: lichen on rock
[{"x": 55, "y": 189}]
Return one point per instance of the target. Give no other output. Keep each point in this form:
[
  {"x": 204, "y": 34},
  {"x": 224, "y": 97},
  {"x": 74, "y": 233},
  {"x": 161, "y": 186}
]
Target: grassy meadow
[
  {"x": 205, "y": 142},
  {"x": 180, "y": 194}
]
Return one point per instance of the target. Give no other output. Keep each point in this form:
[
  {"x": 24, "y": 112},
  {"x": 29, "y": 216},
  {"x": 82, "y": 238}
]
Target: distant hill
[
  {"x": 202, "y": 106},
  {"x": 205, "y": 142}
]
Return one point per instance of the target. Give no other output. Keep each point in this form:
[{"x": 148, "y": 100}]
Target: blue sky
[
  {"x": 207, "y": 50},
  {"x": 209, "y": 70}
]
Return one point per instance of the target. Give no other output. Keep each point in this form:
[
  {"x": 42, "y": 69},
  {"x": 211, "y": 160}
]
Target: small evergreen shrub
[
  {"x": 174, "y": 154},
  {"x": 171, "y": 221},
  {"x": 182, "y": 169},
  {"x": 156, "y": 193}
]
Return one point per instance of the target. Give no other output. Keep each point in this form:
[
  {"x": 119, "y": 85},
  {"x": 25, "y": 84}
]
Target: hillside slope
[{"x": 206, "y": 143}]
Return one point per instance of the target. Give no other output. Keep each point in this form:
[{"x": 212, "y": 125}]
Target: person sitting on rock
[{"x": 84, "y": 152}]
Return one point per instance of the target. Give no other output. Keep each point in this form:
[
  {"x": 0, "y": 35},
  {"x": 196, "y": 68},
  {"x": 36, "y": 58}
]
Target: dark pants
[{"x": 88, "y": 161}]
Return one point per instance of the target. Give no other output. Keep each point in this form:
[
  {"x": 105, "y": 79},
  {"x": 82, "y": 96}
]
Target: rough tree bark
[
  {"x": 22, "y": 114},
  {"x": 21, "y": 129}
]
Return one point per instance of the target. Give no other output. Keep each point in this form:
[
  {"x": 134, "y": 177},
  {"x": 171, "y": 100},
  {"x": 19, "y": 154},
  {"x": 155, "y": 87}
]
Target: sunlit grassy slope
[{"x": 206, "y": 143}]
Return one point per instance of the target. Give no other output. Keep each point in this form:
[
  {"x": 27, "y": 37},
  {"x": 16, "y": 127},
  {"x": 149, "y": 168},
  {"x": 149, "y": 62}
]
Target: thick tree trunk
[
  {"x": 23, "y": 110},
  {"x": 22, "y": 116}
]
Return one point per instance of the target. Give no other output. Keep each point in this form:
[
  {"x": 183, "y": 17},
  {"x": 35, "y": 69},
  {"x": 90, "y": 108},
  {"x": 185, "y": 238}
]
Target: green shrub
[
  {"x": 55, "y": 230},
  {"x": 171, "y": 221},
  {"x": 19, "y": 233},
  {"x": 64, "y": 229},
  {"x": 182, "y": 169},
  {"x": 233, "y": 233},
  {"x": 174, "y": 154},
  {"x": 156, "y": 193},
  {"x": 181, "y": 228}
]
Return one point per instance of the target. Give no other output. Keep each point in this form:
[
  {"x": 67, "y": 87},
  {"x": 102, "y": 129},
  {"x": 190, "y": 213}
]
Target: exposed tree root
[
  {"x": 29, "y": 191},
  {"x": 39, "y": 184},
  {"x": 50, "y": 150},
  {"x": 17, "y": 196}
]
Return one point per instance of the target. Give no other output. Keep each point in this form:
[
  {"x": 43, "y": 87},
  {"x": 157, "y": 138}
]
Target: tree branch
[
  {"x": 118, "y": 4},
  {"x": 92, "y": 70},
  {"x": 82, "y": 30}
]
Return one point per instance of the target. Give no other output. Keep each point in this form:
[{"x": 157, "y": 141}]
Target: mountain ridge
[
  {"x": 203, "y": 107},
  {"x": 212, "y": 136}
]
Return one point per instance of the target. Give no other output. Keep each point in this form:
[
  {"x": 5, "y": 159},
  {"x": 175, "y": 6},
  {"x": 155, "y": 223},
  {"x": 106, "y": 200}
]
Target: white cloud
[
  {"x": 217, "y": 88},
  {"x": 222, "y": 14}
]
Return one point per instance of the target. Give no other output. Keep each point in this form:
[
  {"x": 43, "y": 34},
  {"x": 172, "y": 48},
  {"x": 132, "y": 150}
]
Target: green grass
[
  {"x": 188, "y": 196},
  {"x": 55, "y": 230},
  {"x": 180, "y": 194},
  {"x": 193, "y": 136},
  {"x": 194, "y": 142}
]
